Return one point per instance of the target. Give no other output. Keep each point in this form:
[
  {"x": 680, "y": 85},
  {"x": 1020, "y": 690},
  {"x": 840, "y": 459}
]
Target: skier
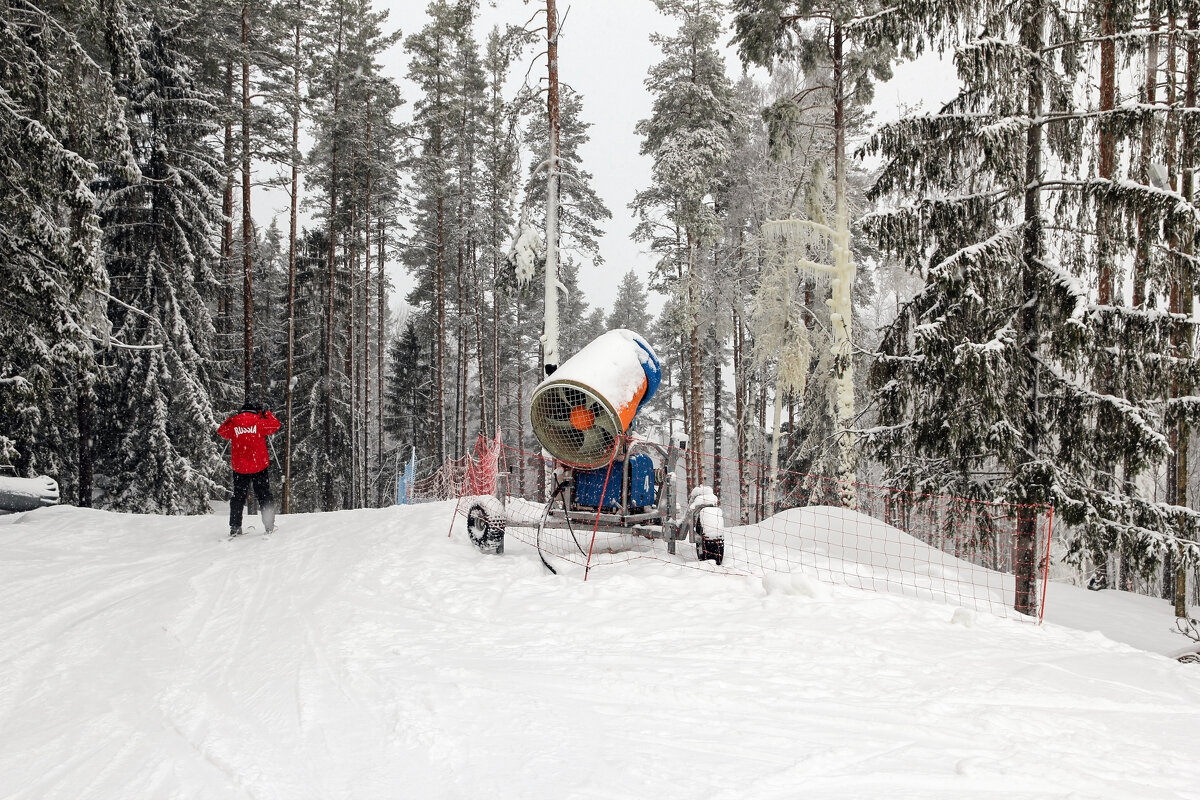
[{"x": 248, "y": 430}]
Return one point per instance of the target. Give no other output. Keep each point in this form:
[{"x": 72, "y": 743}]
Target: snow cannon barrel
[{"x": 593, "y": 398}]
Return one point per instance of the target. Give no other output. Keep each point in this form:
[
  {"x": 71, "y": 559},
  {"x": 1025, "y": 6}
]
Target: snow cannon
[{"x": 579, "y": 412}]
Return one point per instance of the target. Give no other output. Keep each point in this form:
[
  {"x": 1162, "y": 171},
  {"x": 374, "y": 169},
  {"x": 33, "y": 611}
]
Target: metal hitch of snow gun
[{"x": 603, "y": 477}]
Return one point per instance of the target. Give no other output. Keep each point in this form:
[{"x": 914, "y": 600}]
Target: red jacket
[{"x": 248, "y": 431}]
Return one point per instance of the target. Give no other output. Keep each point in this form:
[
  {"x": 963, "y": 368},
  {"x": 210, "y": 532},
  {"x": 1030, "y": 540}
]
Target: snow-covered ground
[{"x": 368, "y": 655}]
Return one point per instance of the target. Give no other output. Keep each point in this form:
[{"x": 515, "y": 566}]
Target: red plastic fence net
[{"x": 984, "y": 556}]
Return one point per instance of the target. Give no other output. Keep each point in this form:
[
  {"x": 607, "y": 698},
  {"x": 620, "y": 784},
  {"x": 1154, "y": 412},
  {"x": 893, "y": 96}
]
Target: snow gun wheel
[
  {"x": 710, "y": 549},
  {"x": 485, "y": 532},
  {"x": 708, "y": 533}
]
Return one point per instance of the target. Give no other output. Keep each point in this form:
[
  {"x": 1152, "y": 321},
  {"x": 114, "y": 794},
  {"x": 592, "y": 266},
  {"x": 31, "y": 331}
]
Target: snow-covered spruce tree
[
  {"x": 59, "y": 117},
  {"x": 158, "y": 455},
  {"x": 408, "y": 390},
  {"x": 1005, "y": 378},
  {"x": 629, "y": 306},
  {"x": 689, "y": 135}
]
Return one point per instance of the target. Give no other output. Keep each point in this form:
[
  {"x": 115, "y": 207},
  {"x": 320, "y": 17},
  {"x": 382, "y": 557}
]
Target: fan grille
[{"x": 574, "y": 424}]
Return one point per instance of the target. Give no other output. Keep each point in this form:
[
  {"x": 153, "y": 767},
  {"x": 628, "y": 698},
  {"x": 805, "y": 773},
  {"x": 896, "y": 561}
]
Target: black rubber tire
[
  {"x": 710, "y": 549},
  {"x": 485, "y": 533}
]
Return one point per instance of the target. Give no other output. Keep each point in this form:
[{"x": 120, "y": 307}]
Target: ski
[{"x": 250, "y": 529}]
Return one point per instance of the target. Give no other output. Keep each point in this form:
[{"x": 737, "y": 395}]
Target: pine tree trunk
[
  {"x": 695, "y": 414},
  {"x": 479, "y": 349},
  {"x": 518, "y": 361},
  {"x": 380, "y": 338},
  {"x": 762, "y": 426},
  {"x": 1141, "y": 266},
  {"x": 460, "y": 366},
  {"x": 739, "y": 394},
  {"x": 1106, "y": 170},
  {"x": 841, "y": 288},
  {"x": 293, "y": 220},
  {"x": 717, "y": 389},
  {"x": 1108, "y": 147},
  {"x": 366, "y": 351},
  {"x": 225, "y": 302},
  {"x": 1186, "y": 281},
  {"x": 550, "y": 326},
  {"x": 327, "y": 498},
  {"x": 439, "y": 293},
  {"x": 351, "y": 360},
  {"x": 84, "y": 413},
  {"x": 1024, "y": 545},
  {"x": 247, "y": 221}
]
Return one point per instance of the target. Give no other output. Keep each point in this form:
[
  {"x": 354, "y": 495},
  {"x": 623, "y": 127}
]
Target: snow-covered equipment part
[
  {"x": 580, "y": 411},
  {"x": 25, "y": 494}
]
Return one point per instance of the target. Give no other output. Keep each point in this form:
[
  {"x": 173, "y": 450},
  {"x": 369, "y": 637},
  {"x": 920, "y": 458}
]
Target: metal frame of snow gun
[{"x": 700, "y": 522}]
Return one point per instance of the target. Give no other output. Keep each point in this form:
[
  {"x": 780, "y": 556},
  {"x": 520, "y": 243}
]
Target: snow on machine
[
  {"x": 25, "y": 494},
  {"x": 604, "y": 479}
]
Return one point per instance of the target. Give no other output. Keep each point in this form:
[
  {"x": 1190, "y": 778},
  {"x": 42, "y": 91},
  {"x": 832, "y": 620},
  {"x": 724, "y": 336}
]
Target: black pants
[{"x": 241, "y": 488}]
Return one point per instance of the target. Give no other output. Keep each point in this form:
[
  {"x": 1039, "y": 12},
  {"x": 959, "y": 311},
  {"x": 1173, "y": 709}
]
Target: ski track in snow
[{"x": 367, "y": 655}]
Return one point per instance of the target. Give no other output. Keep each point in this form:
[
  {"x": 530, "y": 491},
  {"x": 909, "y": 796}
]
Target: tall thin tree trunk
[
  {"x": 1024, "y": 562},
  {"x": 247, "y": 220},
  {"x": 440, "y": 349},
  {"x": 518, "y": 361},
  {"x": 327, "y": 499},
  {"x": 225, "y": 302},
  {"x": 717, "y": 387},
  {"x": 695, "y": 362},
  {"x": 841, "y": 288},
  {"x": 1175, "y": 296},
  {"x": 380, "y": 335},
  {"x": 550, "y": 329},
  {"x": 84, "y": 408},
  {"x": 1106, "y": 170},
  {"x": 1108, "y": 146},
  {"x": 739, "y": 410},
  {"x": 460, "y": 384},
  {"x": 293, "y": 220},
  {"x": 479, "y": 348},
  {"x": 1145, "y": 235},
  {"x": 366, "y": 351},
  {"x": 1187, "y": 162},
  {"x": 351, "y": 363}
]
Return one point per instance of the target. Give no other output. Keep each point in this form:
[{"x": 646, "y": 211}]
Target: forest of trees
[{"x": 1019, "y": 260}]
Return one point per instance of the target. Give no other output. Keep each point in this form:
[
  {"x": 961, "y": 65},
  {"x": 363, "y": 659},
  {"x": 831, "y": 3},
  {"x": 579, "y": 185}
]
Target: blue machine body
[{"x": 589, "y": 483}]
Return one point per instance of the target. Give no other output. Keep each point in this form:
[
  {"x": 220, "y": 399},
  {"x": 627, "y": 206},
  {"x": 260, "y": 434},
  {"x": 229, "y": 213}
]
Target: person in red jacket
[{"x": 248, "y": 431}]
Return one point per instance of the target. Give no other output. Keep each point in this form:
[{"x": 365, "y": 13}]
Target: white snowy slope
[{"x": 368, "y": 655}]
